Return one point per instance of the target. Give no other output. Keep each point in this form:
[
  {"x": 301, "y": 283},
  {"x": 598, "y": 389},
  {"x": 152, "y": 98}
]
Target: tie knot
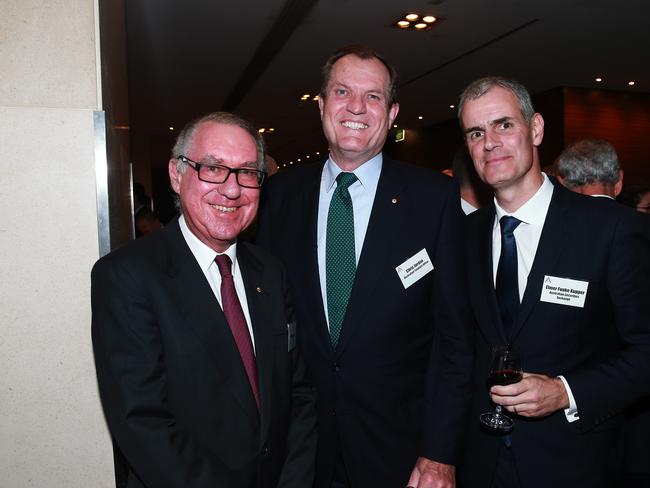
[
  {"x": 225, "y": 265},
  {"x": 508, "y": 224},
  {"x": 344, "y": 180}
]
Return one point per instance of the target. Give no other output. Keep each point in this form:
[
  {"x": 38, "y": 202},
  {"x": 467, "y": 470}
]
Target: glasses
[{"x": 217, "y": 173}]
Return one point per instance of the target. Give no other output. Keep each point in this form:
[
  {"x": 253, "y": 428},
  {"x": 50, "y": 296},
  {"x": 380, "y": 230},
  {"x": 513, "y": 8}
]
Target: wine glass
[{"x": 505, "y": 369}]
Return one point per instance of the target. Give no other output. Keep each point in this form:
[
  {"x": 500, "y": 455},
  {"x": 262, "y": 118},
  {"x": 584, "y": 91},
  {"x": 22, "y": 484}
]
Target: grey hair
[
  {"x": 588, "y": 161},
  {"x": 185, "y": 136},
  {"x": 480, "y": 87}
]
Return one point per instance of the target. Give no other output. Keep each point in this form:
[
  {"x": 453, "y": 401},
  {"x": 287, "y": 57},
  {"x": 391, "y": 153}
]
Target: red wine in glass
[{"x": 505, "y": 369}]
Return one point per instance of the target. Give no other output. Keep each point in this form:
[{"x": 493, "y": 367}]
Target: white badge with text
[
  {"x": 564, "y": 291},
  {"x": 414, "y": 268}
]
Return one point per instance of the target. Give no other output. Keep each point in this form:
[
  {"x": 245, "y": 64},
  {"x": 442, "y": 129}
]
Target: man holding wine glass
[{"x": 562, "y": 282}]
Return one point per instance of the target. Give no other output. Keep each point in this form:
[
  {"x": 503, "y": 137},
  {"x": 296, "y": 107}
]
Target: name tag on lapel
[
  {"x": 414, "y": 268},
  {"x": 291, "y": 336},
  {"x": 564, "y": 291}
]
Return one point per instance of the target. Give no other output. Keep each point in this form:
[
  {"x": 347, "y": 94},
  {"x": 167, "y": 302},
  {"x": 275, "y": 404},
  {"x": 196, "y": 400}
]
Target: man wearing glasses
[{"x": 194, "y": 336}]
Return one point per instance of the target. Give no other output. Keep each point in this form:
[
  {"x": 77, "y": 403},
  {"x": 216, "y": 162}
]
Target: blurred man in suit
[
  {"x": 373, "y": 253},
  {"x": 194, "y": 334},
  {"x": 590, "y": 167},
  {"x": 563, "y": 279}
]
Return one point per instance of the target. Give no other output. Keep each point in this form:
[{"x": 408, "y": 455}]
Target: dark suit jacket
[
  {"x": 175, "y": 393},
  {"x": 602, "y": 349},
  {"x": 388, "y": 392}
]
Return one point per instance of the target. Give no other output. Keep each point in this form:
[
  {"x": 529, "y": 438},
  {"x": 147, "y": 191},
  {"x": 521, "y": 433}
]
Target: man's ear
[
  {"x": 537, "y": 127},
  {"x": 175, "y": 176},
  {"x": 618, "y": 186},
  {"x": 392, "y": 114}
]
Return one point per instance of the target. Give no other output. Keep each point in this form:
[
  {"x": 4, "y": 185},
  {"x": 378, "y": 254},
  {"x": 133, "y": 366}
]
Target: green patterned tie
[{"x": 340, "y": 258}]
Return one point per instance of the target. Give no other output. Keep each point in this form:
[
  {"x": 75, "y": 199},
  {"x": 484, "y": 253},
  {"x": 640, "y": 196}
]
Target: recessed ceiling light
[
  {"x": 306, "y": 96},
  {"x": 411, "y": 17},
  {"x": 271, "y": 129},
  {"x": 403, "y": 24},
  {"x": 412, "y": 20},
  {"x": 262, "y": 130},
  {"x": 291, "y": 162},
  {"x": 429, "y": 19},
  {"x": 171, "y": 128},
  {"x": 394, "y": 126},
  {"x": 298, "y": 159},
  {"x": 315, "y": 99},
  {"x": 599, "y": 79},
  {"x": 452, "y": 106},
  {"x": 630, "y": 83},
  {"x": 307, "y": 156},
  {"x": 420, "y": 117},
  {"x": 421, "y": 26}
]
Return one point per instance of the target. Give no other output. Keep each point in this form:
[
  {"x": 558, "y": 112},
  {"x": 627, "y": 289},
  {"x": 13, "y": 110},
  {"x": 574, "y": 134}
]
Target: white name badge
[
  {"x": 564, "y": 291},
  {"x": 414, "y": 268}
]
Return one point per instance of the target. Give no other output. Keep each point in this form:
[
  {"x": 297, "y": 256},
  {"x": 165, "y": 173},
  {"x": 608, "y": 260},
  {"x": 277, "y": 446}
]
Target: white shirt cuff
[{"x": 570, "y": 413}]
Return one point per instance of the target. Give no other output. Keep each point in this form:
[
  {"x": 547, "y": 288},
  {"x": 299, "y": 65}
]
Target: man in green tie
[{"x": 373, "y": 250}]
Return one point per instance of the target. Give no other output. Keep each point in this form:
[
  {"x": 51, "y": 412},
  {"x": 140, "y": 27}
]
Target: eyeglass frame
[{"x": 197, "y": 167}]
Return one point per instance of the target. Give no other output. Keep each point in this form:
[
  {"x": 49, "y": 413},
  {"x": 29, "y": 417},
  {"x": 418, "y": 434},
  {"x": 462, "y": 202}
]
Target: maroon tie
[{"x": 237, "y": 322}]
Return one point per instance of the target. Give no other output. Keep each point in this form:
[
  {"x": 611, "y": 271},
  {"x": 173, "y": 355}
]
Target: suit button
[
  {"x": 333, "y": 412},
  {"x": 266, "y": 451}
]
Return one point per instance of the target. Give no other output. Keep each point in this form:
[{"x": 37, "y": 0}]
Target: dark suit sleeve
[
  {"x": 298, "y": 469},
  {"x": 448, "y": 392},
  {"x": 131, "y": 375},
  {"x": 602, "y": 389}
]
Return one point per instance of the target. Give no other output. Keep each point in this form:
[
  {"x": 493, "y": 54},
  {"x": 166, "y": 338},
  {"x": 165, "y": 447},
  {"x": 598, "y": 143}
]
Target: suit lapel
[
  {"x": 201, "y": 311},
  {"x": 306, "y": 217},
  {"x": 489, "y": 318},
  {"x": 556, "y": 228},
  {"x": 387, "y": 213},
  {"x": 258, "y": 307}
]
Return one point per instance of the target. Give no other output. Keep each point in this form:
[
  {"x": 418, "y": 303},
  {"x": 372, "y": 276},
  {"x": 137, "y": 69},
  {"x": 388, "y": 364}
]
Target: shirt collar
[
  {"x": 367, "y": 174},
  {"x": 534, "y": 211},
  {"x": 204, "y": 254}
]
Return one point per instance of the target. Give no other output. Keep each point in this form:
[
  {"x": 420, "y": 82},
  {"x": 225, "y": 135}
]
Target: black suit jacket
[
  {"x": 602, "y": 349},
  {"x": 175, "y": 393},
  {"x": 396, "y": 385}
]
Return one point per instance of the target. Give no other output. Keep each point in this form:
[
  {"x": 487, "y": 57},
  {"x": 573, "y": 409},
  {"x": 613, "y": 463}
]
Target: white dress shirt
[
  {"x": 362, "y": 193},
  {"x": 532, "y": 215},
  {"x": 205, "y": 256}
]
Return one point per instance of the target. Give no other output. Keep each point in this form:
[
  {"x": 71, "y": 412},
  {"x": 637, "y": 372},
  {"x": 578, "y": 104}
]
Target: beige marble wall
[{"x": 52, "y": 432}]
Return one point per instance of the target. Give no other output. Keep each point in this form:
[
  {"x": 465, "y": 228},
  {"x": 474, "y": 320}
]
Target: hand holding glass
[{"x": 505, "y": 369}]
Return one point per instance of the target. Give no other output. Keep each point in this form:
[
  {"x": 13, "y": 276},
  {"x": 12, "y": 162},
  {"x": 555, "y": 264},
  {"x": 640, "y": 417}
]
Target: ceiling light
[
  {"x": 630, "y": 83},
  {"x": 412, "y": 20},
  {"x": 420, "y": 117},
  {"x": 317, "y": 153},
  {"x": 394, "y": 126},
  {"x": 171, "y": 128},
  {"x": 599, "y": 79},
  {"x": 298, "y": 159},
  {"x": 452, "y": 106},
  {"x": 307, "y": 156},
  {"x": 306, "y": 96},
  {"x": 261, "y": 131},
  {"x": 315, "y": 99}
]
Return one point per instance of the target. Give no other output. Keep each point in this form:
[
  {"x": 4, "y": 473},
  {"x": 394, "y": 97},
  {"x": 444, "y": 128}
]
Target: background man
[
  {"x": 572, "y": 296},
  {"x": 590, "y": 167},
  {"x": 383, "y": 320},
  {"x": 197, "y": 367}
]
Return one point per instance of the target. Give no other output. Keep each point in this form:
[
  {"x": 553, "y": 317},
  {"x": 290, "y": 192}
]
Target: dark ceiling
[{"x": 257, "y": 58}]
